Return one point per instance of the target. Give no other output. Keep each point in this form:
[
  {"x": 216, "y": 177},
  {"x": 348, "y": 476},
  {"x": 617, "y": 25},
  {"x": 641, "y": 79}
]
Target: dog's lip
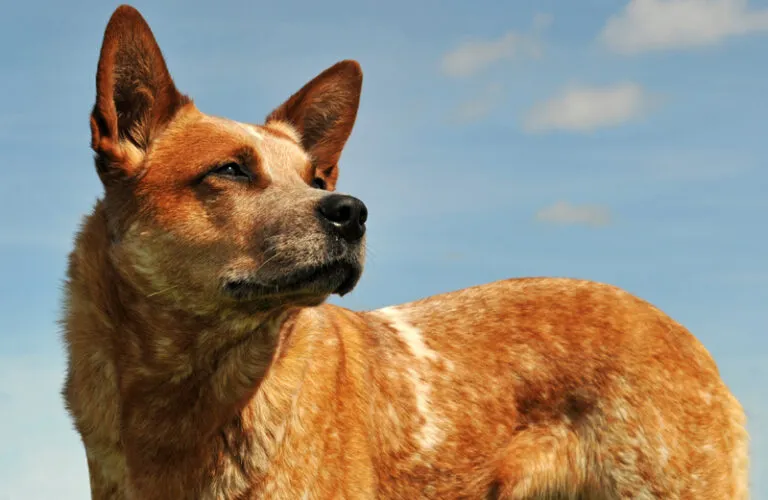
[
  {"x": 338, "y": 276},
  {"x": 353, "y": 275}
]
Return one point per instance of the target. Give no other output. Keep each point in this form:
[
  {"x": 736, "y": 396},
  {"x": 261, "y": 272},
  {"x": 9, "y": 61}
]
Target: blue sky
[{"x": 617, "y": 141}]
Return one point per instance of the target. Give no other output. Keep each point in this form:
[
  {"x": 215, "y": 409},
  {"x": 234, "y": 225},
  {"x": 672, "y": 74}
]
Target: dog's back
[{"x": 559, "y": 386}]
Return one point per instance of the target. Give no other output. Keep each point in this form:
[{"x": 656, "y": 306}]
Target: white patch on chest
[{"x": 430, "y": 434}]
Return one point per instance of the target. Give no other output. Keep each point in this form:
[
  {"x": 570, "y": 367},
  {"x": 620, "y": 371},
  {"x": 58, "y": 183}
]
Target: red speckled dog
[{"x": 203, "y": 363}]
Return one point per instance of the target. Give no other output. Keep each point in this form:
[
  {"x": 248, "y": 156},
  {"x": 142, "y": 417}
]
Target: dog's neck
[
  {"x": 180, "y": 374},
  {"x": 158, "y": 335}
]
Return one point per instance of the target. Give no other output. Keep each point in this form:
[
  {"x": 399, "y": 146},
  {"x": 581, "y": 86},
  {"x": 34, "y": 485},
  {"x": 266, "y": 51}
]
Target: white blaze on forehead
[
  {"x": 251, "y": 130},
  {"x": 233, "y": 126},
  {"x": 430, "y": 434},
  {"x": 236, "y": 127},
  {"x": 275, "y": 151}
]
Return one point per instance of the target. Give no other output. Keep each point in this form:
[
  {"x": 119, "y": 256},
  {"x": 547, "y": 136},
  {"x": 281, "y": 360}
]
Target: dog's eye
[
  {"x": 232, "y": 169},
  {"x": 318, "y": 183}
]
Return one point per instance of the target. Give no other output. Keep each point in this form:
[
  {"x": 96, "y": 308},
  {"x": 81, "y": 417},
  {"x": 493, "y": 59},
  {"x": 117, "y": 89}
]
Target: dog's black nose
[{"x": 346, "y": 215}]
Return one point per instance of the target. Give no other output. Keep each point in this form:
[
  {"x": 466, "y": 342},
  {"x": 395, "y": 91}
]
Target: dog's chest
[
  {"x": 290, "y": 444},
  {"x": 237, "y": 462}
]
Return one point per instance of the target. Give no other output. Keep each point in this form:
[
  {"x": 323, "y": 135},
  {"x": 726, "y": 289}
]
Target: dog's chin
[{"x": 307, "y": 285}]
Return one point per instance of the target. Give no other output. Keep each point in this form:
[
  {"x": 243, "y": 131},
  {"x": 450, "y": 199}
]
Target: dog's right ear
[{"x": 135, "y": 95}]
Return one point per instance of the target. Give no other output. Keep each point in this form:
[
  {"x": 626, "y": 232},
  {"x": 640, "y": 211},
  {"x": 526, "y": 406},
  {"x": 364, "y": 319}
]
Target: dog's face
[{"x": 209, "y": 210}]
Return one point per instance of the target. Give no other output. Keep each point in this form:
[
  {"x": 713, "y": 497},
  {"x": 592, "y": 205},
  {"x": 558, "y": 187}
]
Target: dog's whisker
[
  {"x": 163, "y": 291},
  {"x": 269, "y": 259}
]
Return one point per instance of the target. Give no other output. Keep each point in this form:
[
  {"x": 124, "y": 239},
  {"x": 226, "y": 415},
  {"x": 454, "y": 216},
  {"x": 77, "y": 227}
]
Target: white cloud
[
  {"x": 474, "y": 55},
  {"x": 563, "y": 212},
  {"x": 583, "y": 109},
  {"x": 480, "y": 106},
  {"x": 647, "y": 25}
]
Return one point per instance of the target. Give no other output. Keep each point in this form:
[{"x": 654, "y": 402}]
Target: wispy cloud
[
  {"x": 566, "y": 213},
  {"x": 647, "y": 25},
  {"x": 583, "y": 109},
  {"x": 473, "y": 56},
  {"x": 481, "y": 105}
]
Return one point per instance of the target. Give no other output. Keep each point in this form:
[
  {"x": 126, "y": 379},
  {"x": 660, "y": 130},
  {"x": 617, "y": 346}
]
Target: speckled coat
[{"x": 525, "y": 388}]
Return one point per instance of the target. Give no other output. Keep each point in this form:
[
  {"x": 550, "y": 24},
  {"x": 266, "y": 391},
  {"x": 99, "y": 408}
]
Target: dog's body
[{"x": 204, "y": 364}]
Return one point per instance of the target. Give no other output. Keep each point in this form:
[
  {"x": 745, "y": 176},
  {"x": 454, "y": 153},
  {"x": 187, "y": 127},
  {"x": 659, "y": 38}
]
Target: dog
[{"x": 204, "y": 363}]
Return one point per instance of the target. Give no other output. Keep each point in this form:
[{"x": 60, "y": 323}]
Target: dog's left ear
[{"x": 324, "y": 112}]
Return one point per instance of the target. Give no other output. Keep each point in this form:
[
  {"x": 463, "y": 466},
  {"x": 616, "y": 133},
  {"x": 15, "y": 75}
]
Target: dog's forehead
[{"x": 277, "y": 143}]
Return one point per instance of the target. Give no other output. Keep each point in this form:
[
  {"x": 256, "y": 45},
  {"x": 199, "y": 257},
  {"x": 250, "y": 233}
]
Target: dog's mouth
[{"x": 338, "y": 277}]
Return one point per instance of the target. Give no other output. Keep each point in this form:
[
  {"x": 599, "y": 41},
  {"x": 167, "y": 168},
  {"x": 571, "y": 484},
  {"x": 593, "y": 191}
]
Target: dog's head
[{"x": 209, "y": 210}]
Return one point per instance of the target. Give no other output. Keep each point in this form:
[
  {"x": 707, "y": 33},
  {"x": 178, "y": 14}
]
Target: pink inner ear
[{"x": 324, "y": 113}]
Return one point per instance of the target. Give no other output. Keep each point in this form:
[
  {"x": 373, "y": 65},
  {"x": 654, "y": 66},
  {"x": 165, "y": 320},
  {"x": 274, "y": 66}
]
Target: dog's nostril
[{"x": 346, "y": 214}]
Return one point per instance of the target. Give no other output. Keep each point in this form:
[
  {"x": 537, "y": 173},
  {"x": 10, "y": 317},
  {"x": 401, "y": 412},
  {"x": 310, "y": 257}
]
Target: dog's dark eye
[
  {"x": 318, "y": 183},
  {"x": 232, "y": 170}
]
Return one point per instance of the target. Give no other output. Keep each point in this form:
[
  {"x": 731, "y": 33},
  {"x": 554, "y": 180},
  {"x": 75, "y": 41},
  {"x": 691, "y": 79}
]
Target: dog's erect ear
[
  {"x": 135, "y": 95},
  {"x": 324, "y": 112}
]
